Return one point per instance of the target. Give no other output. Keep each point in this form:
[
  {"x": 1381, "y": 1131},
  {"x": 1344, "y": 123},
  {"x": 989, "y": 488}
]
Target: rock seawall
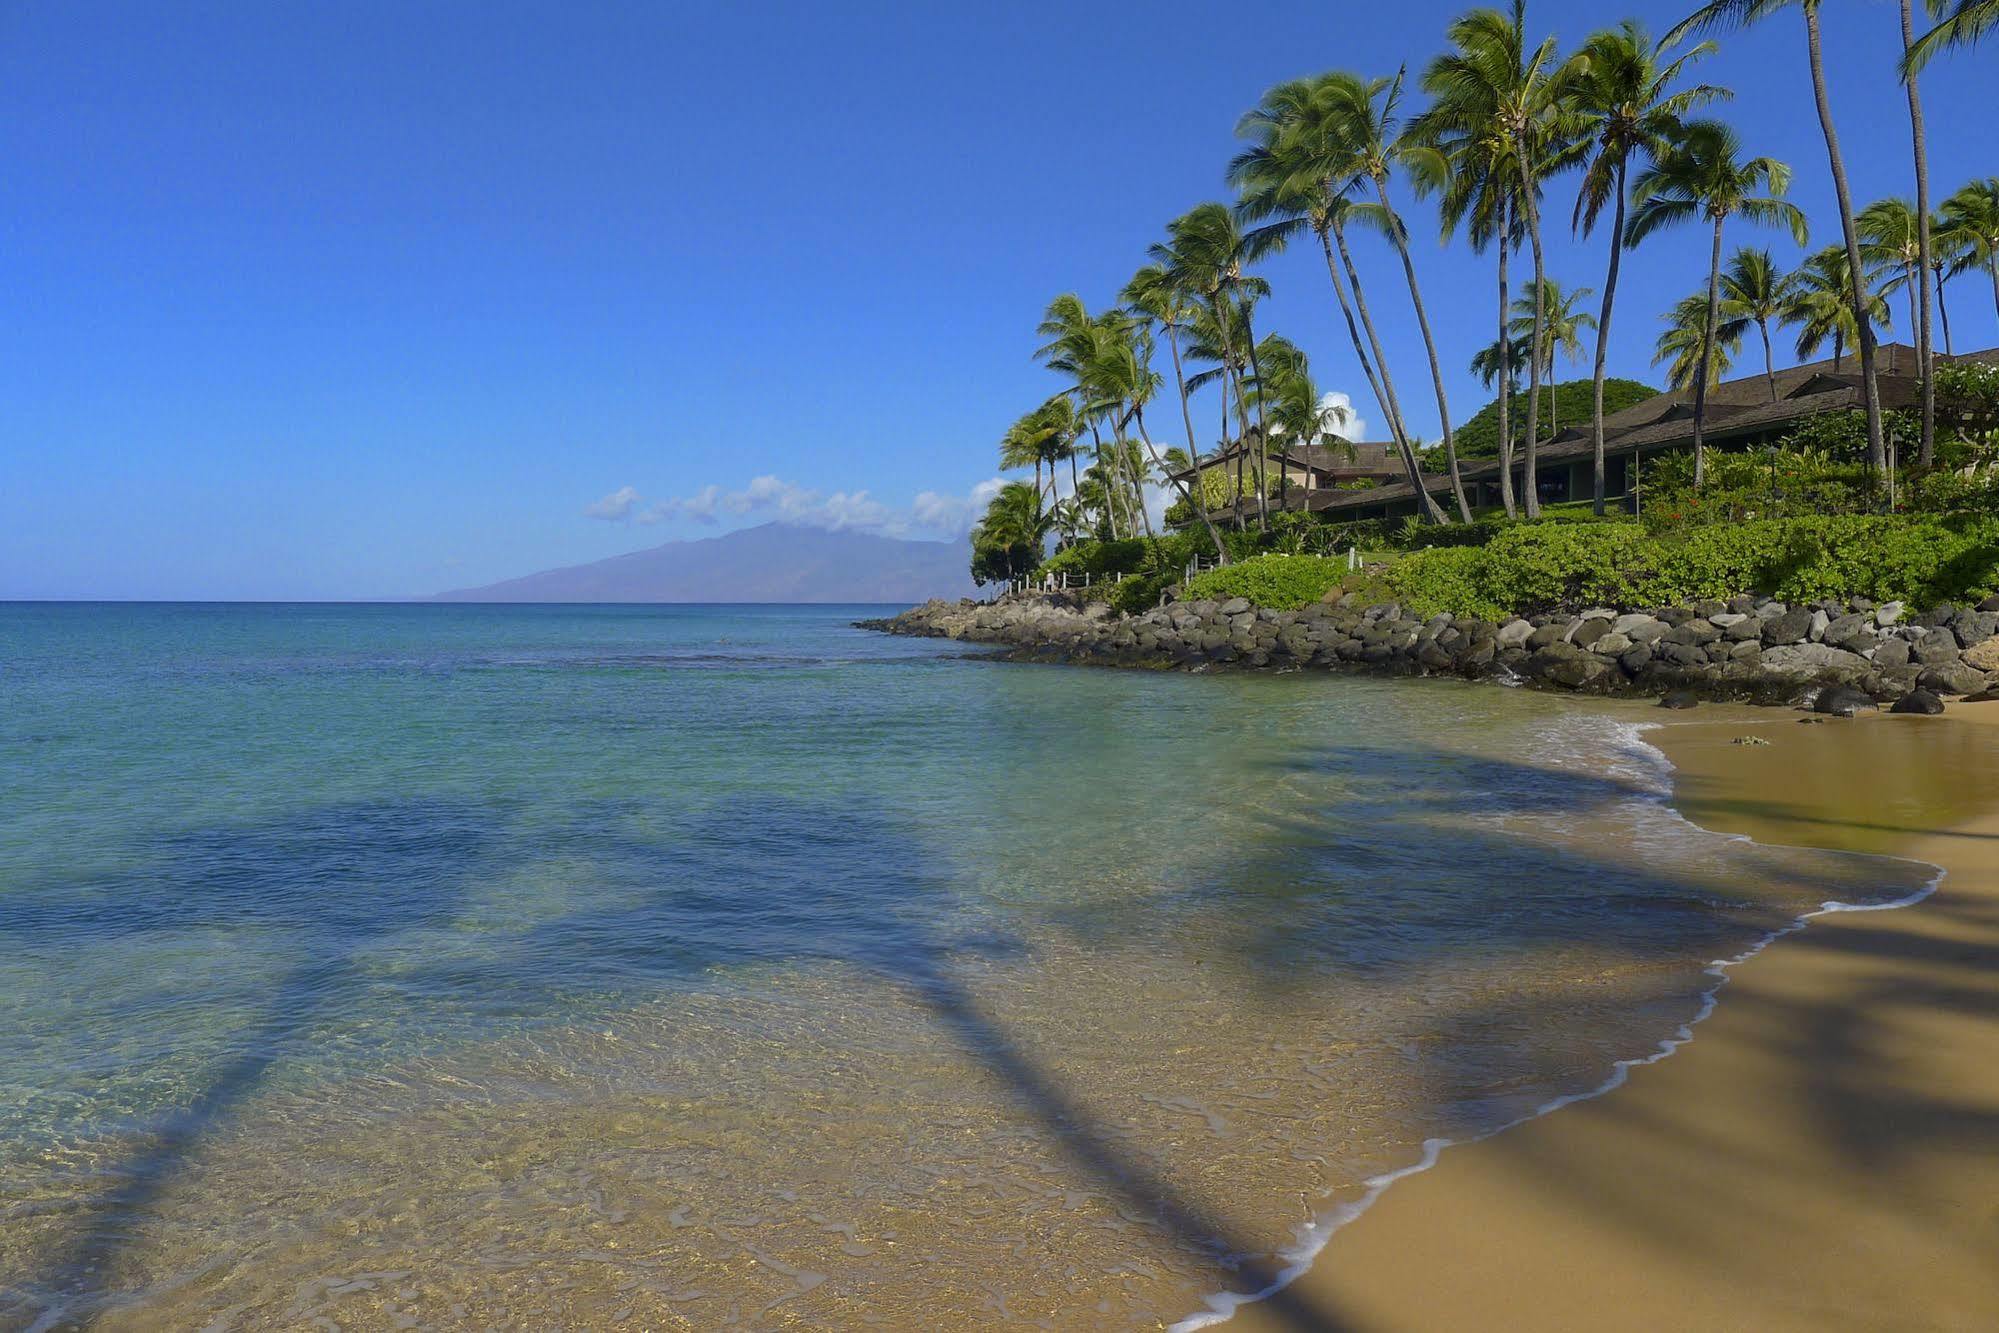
[{"x": 1750, "y": 648}]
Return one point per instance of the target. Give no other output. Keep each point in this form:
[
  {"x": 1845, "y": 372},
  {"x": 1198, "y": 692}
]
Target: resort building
[
  {"x": 1307, "y": 469},
  {"x": 1745, "y": 413}
]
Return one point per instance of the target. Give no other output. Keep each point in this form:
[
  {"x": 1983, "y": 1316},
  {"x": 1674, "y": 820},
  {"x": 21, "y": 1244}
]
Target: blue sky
[{"x": 360, "y": 299}]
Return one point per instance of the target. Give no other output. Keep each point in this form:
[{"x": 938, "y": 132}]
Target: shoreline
[{"x": 1474, "y": 1239}]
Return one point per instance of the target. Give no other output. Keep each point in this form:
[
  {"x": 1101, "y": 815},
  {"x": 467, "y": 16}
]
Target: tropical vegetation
[{"x": 1502, "y": 134}]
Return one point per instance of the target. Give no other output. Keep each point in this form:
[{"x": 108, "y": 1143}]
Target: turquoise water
[{"x": 692, "y": 965}]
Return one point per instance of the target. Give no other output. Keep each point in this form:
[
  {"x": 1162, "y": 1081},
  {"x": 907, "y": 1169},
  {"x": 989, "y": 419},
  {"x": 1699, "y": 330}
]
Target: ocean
[{"x": 692, "y": 966}]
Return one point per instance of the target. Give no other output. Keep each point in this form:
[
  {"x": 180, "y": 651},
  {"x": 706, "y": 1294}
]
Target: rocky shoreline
[{"x": 1748, "y": 648}]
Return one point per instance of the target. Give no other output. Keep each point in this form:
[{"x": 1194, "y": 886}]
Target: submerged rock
[
  {"x": 1841, "y": 701},
  {"x": 1679, "y": 699}
]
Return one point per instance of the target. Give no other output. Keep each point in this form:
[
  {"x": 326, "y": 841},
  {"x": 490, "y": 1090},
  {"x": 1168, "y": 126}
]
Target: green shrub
[
  {"x": 1280, "y": 582},
  {"x": 1538, "y": 567}
]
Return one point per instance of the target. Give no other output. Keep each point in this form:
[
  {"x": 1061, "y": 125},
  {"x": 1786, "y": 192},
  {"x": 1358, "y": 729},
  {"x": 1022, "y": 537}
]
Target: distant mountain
[{"x": 773, "y": 563}]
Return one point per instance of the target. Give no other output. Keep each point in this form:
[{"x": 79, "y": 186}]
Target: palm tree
[
  {"x": 1562, "y": 327},
  {"x": 1753, "y": 291},
  {"x": 1726, "y": 13},
  {"x": 1894, "y": 236},
  {"x": 1963, "y": 22},
  {"x": 1822, "y": 299},
  {"x": 1205, "y": 253},
  {"x": 1299, "y": 172},
  {"x": 1119, "y": 372},
  {"x": 1925, "y": 340},
  {"x": 1703, "y": 176},
  {"x": 1474, "y": 175},
  {"x": 1368, "y": 109},
  {"x": 1685, "y": 345},
  {"x": 1971, "y": 220},
  {"x": 1016, "y": 524},
  {"x": 1492, "y": 84},
  {"x": 1073, "y": 333},
  {"x": 1946, "y": 250},
  {"x": 1151, "y": 296},
  {"x": 1623, "y": 91}
]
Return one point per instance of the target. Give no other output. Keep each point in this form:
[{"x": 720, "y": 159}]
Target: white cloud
[
  {"x": 931, "y": 513},
  {"x": 615, "y": 507},
  {"x": 1354, "y": 427}
]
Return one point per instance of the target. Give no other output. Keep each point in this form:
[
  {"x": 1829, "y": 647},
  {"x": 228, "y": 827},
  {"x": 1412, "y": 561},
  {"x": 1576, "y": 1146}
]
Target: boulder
[
  {"x": 1697, "y": 632},
  {"x": 1555, "y": 631},
  {"x": 1789, "y": 628},
  {"x": 1918, "y": 701},
  {"x": 1847, "y": 627},
  {"x": 1936, "y": 648},
  {"x": 1953, "y": 678},
  {"x": 1514, "y": 634},
  {"x": 1820, "y": 621},
  {"x": 1635, "y": 658},
  {"x": 1728, "y": 619},
  {"x": 1811, "y": 659},
  {"x": 1234, "y": 606},
  {"x": 1841, "y": 701},
  {"x": 1746, "y": 630},
  {"x": 1892, "y": 653},
  {"x": 1983, "y": 656},
  {"x": 1975, "y": 627},
  {"x": 1564, "y": 664},
  {"x": 1679, "y": 699},
  {"x": 1627, "y": 623},
  {"x": 1592, "y": 631},
  {"x": 1990, "y": 604},
  {"x": 1887, "y": 614},
  {"x": 1611, "y": 645}
]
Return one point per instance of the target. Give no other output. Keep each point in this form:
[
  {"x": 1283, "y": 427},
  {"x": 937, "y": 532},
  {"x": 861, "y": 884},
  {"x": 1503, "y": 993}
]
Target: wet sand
[{"x": 1825, "y": 1152}]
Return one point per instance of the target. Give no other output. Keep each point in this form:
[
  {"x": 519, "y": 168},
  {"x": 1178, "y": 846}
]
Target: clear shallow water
[{"x": 703, "y": 966}]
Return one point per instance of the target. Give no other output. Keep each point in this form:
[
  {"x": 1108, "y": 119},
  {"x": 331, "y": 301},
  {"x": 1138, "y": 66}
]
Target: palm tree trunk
[
  {"x": 1925, "y": 350},
  {"x": 1943, "y": 313},
  {"x": 1145, "y": 438},
  {"x": 1603, "y": 342},
  {"x": 1262, "y": 430},
  {"x": 1110, "y": 486},
  {"x": 1131, "y": 477},
  {"x": 1707, "y": 352},
  {"x": 1530, "y": 479},
  {"x": 1877, "y": 448},
  {"x": 1769, "y": 361},
  {"x": 1353, "y": 334},
  {"x": 1401, "y": 240},
  {"x": 1180, "y": 381},
  {"x": 1506, "y": 497},
  {"x": 1425, "y": 505}
]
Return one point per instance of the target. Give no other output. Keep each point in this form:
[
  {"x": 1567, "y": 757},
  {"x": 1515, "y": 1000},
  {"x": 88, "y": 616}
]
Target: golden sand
[{"x": 1823, "y": 1155}]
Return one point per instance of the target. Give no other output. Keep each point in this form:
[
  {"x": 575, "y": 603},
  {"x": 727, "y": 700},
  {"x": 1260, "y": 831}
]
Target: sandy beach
[{"x": 1823, "y": 1154}]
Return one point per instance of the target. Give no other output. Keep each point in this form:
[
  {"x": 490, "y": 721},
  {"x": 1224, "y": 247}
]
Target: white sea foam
[{"x": 1636, "y": 759}]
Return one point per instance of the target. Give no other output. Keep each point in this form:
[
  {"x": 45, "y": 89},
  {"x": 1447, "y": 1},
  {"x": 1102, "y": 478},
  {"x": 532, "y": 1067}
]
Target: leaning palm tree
[
  {"x": 1971, "y": 220},
  {"x": 1493, "y": 84},
  {"x": 1962, "y": 23},
  {"x": 1703, "y": 176},
  {"x": 1685, "y": 345},
  {"x": 1205, "y": 253},
  {"x": 1821, "y": 301},
  {"x": 1119, "y": 372},
  {"x": 1152, "y": 296},
  {"x": 1369, "y": 111},
  {"x": 1737, "y": 13},
  {"x": 1624, "y": 94},
  {"x": 1072, "y": 333},
  {"x": 1299, "y": 172},
  {"x": 1925, "y": 339},
  {"x": 1754, "y": 291},
  {"x": 1894, "y": 237}
]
